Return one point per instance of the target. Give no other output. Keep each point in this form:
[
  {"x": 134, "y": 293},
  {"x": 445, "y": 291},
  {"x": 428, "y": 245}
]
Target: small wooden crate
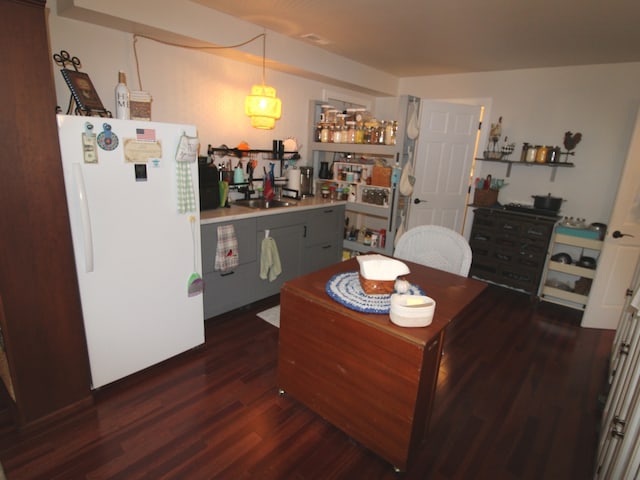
[
  {"x": 485, "y": 198},
  {"x": 140, "y": 105},
  {"x": 381, "y": 176}
]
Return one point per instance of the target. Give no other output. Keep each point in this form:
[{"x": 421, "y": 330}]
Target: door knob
[
  {"x": 619, "y": 234},
  {"x": 417, "y": 201}
]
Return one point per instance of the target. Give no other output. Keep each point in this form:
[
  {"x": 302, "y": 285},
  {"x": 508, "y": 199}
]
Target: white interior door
[
  {"x": 442, "y": 163},
  {"x": 621, "y": 249}
]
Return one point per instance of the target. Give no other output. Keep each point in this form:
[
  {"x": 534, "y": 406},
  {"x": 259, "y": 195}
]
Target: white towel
[
  {"x": 226, "y": 249},
  {"x": 270, "y": 266}
]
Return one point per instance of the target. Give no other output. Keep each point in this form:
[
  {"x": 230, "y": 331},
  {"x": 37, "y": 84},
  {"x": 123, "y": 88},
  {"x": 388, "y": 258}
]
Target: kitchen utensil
[
  {"x": 586, "y": 262},
  {"x": 238, "y": 175},
  {"x": 562, "y": 258},
  {"x": 324, "y": 170},
  {"x": 195, "y": 284},
  {"x": 306, "y": 181},
  {"x": 224, "y": 192},
  {"x": 547, "y": 202}
]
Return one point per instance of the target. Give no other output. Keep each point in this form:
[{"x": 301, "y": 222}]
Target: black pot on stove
[{"x": 547, "y": 202}]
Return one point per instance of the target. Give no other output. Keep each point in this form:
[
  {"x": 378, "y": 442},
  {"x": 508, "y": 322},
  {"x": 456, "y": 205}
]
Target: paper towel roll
[{"x": 293, "y": 179}]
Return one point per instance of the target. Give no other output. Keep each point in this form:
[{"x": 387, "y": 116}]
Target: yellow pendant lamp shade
[{"x": 263, "y": 107}]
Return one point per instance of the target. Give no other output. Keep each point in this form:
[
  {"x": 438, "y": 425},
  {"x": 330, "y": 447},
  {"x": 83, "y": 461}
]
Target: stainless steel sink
[{"x": 261, "y": 203}]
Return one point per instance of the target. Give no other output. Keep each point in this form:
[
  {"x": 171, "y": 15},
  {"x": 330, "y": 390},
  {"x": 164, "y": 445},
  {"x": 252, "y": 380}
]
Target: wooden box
[
  {"x": 381, "y": 176},
  {"x": 485, "y": 198},
  {"x": 140, "y": 105}
]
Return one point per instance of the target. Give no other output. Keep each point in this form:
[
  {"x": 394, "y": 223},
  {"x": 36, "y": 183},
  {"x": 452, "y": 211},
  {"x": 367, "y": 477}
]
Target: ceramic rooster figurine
[{"x": 571, "y": 140}]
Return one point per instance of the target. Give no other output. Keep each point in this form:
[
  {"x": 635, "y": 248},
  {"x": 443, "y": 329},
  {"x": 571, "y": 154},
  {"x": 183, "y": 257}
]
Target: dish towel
[
  {"x": 187, "y": 153},
  {"x": 226, "y": 249},
  {"x": 270, "y": 266}
]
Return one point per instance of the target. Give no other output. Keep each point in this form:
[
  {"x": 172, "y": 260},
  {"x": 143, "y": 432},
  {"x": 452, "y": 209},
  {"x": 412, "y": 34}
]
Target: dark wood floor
[{"x": 517, "y": 399}]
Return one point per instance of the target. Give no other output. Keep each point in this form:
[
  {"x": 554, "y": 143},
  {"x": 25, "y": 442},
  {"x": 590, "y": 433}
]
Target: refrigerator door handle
[{"x": 85, "y": 217}]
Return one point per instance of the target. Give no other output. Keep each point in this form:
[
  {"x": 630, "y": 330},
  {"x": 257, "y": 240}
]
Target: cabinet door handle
[
  {"x": 225, "y": 274},
  {"x": 304, "y": 235}
]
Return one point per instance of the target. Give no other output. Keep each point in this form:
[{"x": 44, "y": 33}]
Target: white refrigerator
[{"x": 135, "y": 225}]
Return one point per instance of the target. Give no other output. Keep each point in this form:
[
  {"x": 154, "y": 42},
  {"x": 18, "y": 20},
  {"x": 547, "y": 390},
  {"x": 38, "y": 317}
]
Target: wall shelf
[{"x": 509, "y": 163}]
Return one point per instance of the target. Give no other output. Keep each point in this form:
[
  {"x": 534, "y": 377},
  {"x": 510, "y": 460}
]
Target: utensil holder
[{"x": 485, "y": 198}]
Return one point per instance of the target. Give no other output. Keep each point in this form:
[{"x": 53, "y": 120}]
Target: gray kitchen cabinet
[
  {"x": 227, "y": 290},
  {"x": 307, "y": 240},
  {"x": 288, "y": 232},
  {"x": 323, "y": 238}
]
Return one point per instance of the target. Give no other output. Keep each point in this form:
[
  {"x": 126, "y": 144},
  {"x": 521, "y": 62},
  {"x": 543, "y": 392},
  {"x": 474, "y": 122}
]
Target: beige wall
[
  {"x": 538, "y": 106},
  {"x": 208, "y": 90}
]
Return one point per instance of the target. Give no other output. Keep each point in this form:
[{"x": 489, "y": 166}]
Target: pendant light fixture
[{"x": 262, "y": 105}]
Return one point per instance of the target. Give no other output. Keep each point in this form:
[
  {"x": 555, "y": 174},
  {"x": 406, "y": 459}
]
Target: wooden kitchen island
[{"x": 370, "y": 378}]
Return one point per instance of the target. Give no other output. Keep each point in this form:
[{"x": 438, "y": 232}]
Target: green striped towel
[{"x": 187, "y": 153}]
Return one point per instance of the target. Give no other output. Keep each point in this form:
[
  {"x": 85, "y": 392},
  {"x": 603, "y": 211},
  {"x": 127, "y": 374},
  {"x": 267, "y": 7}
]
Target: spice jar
[
  {"x": 351, "y": 132},
  {"x": 531, "y": 154},
  {"x": 541, "y": 154},
  {"x": 525, "y": 149},
  {"x": 324, "y": 133},
  {"x": 554, "y": 155}
]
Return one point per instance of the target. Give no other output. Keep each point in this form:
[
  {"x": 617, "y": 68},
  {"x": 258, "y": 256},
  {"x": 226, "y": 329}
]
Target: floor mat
[{"x": 271, "y": 315}]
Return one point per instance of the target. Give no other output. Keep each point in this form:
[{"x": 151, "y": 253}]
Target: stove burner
[{"x": 530, "y": 209}]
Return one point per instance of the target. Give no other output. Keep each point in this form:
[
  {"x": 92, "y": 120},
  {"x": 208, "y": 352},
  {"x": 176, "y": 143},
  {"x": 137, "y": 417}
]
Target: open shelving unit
[
  {"x": 569, "y": 241},
  {"x": 360, "y": 212}
]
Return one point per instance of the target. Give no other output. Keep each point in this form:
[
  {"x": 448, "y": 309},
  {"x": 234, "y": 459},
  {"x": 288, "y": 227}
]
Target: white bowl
[{"x": 411, "y": 310}]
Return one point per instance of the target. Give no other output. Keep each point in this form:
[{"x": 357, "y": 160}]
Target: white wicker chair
[{"x": 437, "y": 247}]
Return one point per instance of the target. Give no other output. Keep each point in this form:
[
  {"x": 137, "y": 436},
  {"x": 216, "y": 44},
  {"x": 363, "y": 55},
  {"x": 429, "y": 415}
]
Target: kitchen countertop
[{"x": 235, "y": 212}]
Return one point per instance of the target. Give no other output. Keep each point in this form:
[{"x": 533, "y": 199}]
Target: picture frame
[{"x": 84, "y": 93}]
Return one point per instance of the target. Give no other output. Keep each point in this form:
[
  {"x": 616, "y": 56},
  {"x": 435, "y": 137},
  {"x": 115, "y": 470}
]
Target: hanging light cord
[{"x": 137, "y": 35}]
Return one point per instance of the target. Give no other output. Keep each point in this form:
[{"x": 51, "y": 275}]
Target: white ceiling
[{"x": 430, "y": 37}]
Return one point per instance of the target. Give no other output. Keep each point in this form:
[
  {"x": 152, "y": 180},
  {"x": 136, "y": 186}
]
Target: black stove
[{"x": 530, "y": 209}]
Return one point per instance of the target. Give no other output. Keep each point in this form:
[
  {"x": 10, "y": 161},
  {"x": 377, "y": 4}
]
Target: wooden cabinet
[
  {"x": 370, "y": 378},
  {"x": 44, "y": 355},
  {"x": 510, "y": 248},
  {"x": 569, "y": 283},
  {"x": 307, "y": 240}
]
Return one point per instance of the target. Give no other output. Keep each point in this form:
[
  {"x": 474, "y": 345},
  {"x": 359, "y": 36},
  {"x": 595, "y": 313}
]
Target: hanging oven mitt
[{"x": 187, "y": 153}]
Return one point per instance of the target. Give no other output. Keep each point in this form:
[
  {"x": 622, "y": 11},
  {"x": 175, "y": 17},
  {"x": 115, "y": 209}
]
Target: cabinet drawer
[
  {"x": 245, "y": 233},
  {"x": 320, "y": 256},
  {"x": 227, "y": 291},
  {"x": 324, "y": 225},
  {"x": 284, "y": 219},
  {"x": 537, "y": 231}
]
